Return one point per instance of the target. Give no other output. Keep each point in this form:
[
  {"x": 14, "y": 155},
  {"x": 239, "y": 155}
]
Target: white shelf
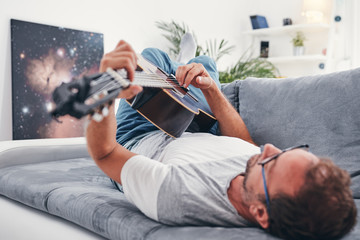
[
  {"x": 307, "y": 58},
  {"x": 281, "y": 47},
  {"x": 306, "y": 28}
]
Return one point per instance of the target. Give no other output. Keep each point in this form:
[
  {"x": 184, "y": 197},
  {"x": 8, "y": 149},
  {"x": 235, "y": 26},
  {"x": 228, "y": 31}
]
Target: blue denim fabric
[{"x": 130, "y": 124}]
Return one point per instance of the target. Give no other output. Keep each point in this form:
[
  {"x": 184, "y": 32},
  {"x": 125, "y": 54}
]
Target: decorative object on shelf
[
  {"x": 287, "y": 21},
  {"x": 298, "y": 44},
  {"x": 313, "y": 10},
  {"x": 324, "y": 51},
  {"x": 264, "y": 49},
  {"x": 337, "y": 18},
  {"x": 43, "y": 57},
  {"x": 258, "y": 21},
  {"x": 321, "y": 65},
  {"x": 245, "y": 67}
]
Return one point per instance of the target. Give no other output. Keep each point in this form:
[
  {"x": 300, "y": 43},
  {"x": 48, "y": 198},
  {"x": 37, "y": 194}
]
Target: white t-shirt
[{"x": 186, "y": 181}]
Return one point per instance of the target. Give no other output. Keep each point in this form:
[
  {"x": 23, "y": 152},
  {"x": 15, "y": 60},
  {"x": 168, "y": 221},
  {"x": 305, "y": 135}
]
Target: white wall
[{"x": 134, "y": 21}]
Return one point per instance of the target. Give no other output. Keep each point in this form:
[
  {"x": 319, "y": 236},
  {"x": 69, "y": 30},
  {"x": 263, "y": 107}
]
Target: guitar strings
[
  {"x": 145, "y": 79},
  {"x": 142, "y": 79},
  {"x": 149, "y": 79}
]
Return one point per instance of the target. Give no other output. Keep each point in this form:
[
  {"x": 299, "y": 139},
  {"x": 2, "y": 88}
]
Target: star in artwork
[{"x": 25, "y": 110}]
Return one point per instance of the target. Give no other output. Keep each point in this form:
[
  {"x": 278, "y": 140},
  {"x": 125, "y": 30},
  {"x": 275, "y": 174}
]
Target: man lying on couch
[{"x": 205, "y": 179}]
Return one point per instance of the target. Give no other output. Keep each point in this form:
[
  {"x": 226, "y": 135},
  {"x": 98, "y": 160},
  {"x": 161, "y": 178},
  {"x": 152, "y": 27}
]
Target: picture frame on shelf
[
  {"x": 258, "y": 21},
  {"x": 264, "y": 49}
]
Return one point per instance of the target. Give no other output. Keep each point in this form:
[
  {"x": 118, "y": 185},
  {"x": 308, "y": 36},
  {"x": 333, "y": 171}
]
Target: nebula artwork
[{"x": 43, "y": 57}]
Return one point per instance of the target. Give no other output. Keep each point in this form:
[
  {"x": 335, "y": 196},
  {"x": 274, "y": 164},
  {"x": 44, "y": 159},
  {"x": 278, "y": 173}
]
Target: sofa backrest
[{"x": 322, "y": 111}]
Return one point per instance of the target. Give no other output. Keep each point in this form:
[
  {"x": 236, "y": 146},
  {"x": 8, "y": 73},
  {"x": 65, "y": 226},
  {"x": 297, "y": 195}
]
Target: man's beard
[
  {"x": 249, "y": 165},
  {"x": 248, "y": 193}
]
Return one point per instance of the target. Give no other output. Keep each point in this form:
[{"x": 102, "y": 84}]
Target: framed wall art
[{"x": 43, "y": 57}]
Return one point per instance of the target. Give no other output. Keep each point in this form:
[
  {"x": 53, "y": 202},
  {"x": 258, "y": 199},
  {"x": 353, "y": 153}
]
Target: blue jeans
[{"x": 130, "y": 124}]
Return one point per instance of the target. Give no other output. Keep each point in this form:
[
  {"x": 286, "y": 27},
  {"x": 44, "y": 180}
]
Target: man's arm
[
  {"x": 103, "y": 148},
  {"x": 101, "y": 136},
  {"x": 230, "y": 122}
]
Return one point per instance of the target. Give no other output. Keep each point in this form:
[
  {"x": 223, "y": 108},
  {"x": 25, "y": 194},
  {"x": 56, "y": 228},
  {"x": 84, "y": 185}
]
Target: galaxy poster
[{"x": 43, "y": 57}]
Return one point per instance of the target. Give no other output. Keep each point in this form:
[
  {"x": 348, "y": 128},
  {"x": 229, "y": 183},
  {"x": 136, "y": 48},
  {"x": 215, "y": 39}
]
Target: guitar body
[
  {"x": 170, "y": 113},
  {"x": 171, "y": 110}
]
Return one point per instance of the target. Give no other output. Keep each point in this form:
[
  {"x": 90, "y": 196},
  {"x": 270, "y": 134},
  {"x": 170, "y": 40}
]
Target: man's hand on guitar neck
[{"x": 123, "y": 56}]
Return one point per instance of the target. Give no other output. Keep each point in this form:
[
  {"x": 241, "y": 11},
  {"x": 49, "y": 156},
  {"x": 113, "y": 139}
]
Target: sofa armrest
[{"x": 41, "y": 150}]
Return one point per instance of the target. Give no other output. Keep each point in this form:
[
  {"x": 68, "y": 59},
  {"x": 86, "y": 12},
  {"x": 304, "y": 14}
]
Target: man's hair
[{"x": 323, "y": 208}]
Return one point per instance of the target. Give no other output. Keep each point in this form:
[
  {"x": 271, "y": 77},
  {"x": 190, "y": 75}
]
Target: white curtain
[
  {"x": 356, "y": 34},
  {"x": 344, "y": 37}
]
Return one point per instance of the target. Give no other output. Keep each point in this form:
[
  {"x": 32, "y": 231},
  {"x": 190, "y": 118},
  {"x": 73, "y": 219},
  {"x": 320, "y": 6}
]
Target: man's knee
[
  {"x": 156, "y": 56},
  {"x": 151, "y": 52},
  {"x": 204, "y": 60}
]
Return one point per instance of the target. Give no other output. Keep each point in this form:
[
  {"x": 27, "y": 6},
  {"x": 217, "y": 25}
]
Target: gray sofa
[{"x": 322, "y": 111}]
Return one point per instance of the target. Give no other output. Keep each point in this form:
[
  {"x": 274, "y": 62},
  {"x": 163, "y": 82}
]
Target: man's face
[{"x": 283, "y": 175}]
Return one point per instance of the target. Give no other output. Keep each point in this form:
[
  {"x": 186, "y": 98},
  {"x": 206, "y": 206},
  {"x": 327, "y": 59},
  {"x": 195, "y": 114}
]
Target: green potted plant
[
  {"x": 298, "y": 43},
  {"x": 249, "y": 67}
]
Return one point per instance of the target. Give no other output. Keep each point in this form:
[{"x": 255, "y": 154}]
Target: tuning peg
[
  {"x": 96, "y": 97},
  {"x": 105, "y": 111},
  {"x": 97, "y": 117}
]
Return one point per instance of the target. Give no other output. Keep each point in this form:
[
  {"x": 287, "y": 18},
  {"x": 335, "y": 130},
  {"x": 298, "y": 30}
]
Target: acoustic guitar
[{"x": 163, "y": 102}]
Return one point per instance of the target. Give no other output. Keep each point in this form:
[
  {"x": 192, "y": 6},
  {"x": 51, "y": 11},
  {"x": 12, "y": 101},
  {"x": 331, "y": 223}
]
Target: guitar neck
[
  {"x": 141, "y": 78},
  {"x": 82, "y": 96}
]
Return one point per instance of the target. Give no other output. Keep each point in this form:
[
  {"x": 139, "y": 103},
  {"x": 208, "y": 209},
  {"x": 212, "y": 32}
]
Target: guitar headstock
[{"x": 88, "y": 95}]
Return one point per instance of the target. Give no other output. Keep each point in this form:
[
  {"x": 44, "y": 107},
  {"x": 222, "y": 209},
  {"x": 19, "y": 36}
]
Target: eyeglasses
[{"x": 269, "y": 159}]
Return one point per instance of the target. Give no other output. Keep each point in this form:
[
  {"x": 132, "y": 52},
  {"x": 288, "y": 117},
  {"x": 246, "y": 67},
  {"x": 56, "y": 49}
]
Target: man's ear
[
  {"x": 258, "y": 211},
  {"x": 270, "y": 150}
]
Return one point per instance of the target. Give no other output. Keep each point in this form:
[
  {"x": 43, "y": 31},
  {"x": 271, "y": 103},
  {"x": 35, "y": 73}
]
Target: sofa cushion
[{"x": 322, "y": 111}]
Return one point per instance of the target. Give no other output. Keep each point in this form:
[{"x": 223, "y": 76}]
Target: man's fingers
[
  {"x": 119, "y": 63},
  {"x": 204, "y": 82},
  {"x": 187, "y": 74},
  {"x": 124, "y": 46},
  {"x": 196, "y": 70},
  {"x": 123, "y": 56},
  {"x": 182, "y": 72}
]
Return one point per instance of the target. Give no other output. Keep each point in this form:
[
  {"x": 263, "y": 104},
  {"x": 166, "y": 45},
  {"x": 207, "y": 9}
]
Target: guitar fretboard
[
  {"x": 140, "y": 78},
  {"x": 149, "y": 80}
]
